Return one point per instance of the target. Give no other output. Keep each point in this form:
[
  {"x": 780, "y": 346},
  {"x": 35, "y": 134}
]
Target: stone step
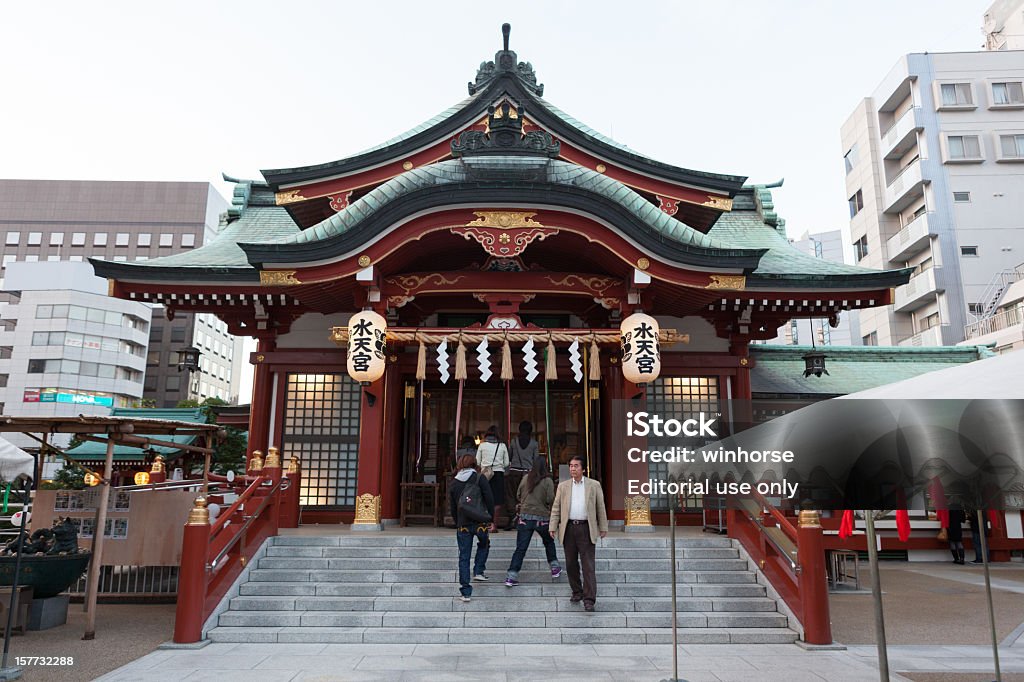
[
  {"x": 535, "y": 562},
  {"x": 512, "y": 601},
  {"x": 449, "y": 550},
  {"x": 496, "y": 574},
  {"x": 464, "y": 617},
  {"x": 389, "y": 635},
  {"x": 539, "y": 588},
  {"x": 613, "y": 541}
]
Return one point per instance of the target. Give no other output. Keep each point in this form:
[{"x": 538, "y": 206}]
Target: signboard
[{"x": 49, "y": 395}]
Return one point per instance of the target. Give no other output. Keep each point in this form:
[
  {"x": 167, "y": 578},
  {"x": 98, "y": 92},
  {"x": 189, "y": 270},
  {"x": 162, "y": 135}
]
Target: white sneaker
[
  {"x": 463, "y": 598},
  {"x": 481, "y": 577}
]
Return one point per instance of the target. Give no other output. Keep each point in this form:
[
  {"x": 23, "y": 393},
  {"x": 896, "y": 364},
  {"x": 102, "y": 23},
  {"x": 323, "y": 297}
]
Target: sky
[{"x": 190, "y": 90}]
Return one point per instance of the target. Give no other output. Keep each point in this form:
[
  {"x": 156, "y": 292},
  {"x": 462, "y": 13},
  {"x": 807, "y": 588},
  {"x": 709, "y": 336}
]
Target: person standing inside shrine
[
  {"x": 493, "y": 458},
  {"x": 524, "y": 452},
  {"x": 578, "y": 517}
]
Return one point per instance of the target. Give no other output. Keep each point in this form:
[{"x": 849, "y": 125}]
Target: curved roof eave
[{"x": 466, "y": 112}]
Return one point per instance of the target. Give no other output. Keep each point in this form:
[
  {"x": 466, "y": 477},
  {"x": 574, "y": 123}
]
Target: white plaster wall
[{"x": 313, "y": 330}]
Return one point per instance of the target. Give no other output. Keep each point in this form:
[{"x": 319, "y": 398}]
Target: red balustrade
[
  {"x": 213, "y": 556},
  {"x": 797, "y": 574}
]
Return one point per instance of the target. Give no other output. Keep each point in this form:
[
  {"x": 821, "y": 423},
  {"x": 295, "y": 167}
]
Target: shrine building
[{"x": 506, "y": 220}]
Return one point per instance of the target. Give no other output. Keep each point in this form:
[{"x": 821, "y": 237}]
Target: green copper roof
[
  {"x": 457, "y": 171},
  {"x": 780, "y": 369},
  {"x": 90, "y": 450}
]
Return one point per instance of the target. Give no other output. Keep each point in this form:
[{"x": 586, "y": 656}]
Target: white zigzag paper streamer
[
  {"x": 530, "y": 361},
  {"x": 574, "y": 360},
  {"x": 484, "y": 358},
  {"x": 442, "y": 360}
]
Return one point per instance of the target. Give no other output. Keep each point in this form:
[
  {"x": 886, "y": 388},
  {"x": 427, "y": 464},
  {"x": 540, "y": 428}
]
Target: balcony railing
[
  {"x": 912, "y": 239},
  {"x": 927, "y": 338},
  {"x": 917, "y": 291},
  {"x": 903, "y": 188},
  {"x": 898, "y": 134},
  {"x": 1007, "y": 319}
]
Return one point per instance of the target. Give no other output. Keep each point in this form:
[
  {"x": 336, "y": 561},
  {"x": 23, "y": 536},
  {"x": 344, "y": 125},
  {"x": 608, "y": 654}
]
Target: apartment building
[
  {"x": 69, "y": 350},
  {"x": 935, "y": 182},
  {"x": 61, "y": 220}
]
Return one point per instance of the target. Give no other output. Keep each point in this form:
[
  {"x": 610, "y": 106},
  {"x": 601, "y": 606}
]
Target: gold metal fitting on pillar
[
  {"x": 810, "y": 518},
  {"x": 367, "y": 510},
  {"x": 199, "y": 515},
  {"x": 294, "y": 465},
  {"x": 256, "y": 463},
  {"x": 158, "y": 465},
  {"x": 273, "y": 458},
  {"x": 638, "y": 511}
]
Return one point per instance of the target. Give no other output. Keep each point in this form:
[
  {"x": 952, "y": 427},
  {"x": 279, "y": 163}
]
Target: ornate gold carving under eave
[
  {"x": 731, "y": 282},
  {"x": 367, "y": 510},
  {"x": 411, "y": 283},
  {"x": 364, "y": 261},
  {"x": 638, "y": 511},
  {"x": 643, "y": 263},
  {"x": 597, "y": 285},
  {"x": 278, "y": 278},
  {"x": 504, "y": 220},
  {"x": 289, "y": 197},
  {"x": 721, "y": 203}
]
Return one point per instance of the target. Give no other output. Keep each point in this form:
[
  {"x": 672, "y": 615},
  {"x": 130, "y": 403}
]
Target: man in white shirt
[{"x": 578, "y": 518}]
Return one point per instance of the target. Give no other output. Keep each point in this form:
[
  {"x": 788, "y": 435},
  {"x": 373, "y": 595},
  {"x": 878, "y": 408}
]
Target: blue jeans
[
  {"x": 464, "y": 536},
  {"x": 524, "y": 533}
]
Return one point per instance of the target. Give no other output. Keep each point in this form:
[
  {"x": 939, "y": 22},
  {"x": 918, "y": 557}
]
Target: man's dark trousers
[{"x": 579, "y": 548}]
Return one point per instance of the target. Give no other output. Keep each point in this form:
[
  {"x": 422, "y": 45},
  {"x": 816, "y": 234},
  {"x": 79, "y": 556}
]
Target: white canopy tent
[
  {"x": 14, "y": 462},
  {"x": 998, "y": 377}
]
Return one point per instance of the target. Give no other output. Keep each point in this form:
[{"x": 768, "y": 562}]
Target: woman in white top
[{"x": 493, "y": 453}]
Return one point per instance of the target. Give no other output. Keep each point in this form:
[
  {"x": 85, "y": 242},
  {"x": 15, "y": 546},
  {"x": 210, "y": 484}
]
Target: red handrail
[
  {"x": 800, "y": 581},
  {"x": 213, "y": 556}
]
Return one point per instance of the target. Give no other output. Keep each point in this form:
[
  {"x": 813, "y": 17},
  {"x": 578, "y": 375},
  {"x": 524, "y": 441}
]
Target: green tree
[
  {"x": 229, "y": 454},
  {"x": 68, "y": 478}
]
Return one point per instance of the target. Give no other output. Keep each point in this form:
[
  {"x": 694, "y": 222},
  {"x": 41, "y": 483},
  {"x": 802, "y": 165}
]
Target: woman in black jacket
[{"x": 466, "y": 529}]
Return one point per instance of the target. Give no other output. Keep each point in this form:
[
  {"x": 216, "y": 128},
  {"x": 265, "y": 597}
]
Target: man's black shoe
[
  {"x": 588, "y": 607},
  {"x": 576, "y": 599}
]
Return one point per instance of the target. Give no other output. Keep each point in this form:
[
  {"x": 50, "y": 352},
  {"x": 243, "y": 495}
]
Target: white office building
[
  {"x": 935, "y": 181},
  {"x": 68, "y": 351}
]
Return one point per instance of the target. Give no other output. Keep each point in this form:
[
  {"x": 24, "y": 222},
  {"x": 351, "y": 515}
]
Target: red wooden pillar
[
  {"x": 391, "y": 455},
  {"x": 368, "y": 479},
  {"x": 742, "y": 410},
  {"x": 195, "y": 543},
  {"x": 262, "y": 395},
  {"x": 813, "y": 581}
]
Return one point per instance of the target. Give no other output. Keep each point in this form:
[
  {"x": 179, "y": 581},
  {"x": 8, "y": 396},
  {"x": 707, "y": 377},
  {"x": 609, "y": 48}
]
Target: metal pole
[
  {"x": 988, "y": 593},
  {"x": 675, "y": 635},
  {"x": 876, "y": 593},
  {"x": 26, "y": 490},
  {"x": 95, "y": 566}
]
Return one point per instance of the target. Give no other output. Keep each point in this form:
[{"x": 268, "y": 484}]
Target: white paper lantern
[
  {"x": 367, "y": 336},
  {"x": 641, "y": 352}
]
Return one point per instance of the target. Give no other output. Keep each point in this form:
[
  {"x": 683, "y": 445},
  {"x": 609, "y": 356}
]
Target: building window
[
  {"x": 1010, "y": 93},
  {"x": 850, "y": 158},
  {"x": 1011, "y": 147},
  {"x": 75, "y": 259},
  {"x": 13, "y": 238},
  {"x": 99, "y": 239},
  {"x": 145, "y": 239},
  {"x": 961, "y": 197},
  {"x": 78, "y": 239},
  {"x": 188, "y": 240},
  {"x": 929, "y": 322},
  {"x": 8, "y": 258},
  {"x": 975, "y": 308},
  {"x": 166, "y": 240},
  {"x": 964, "y": 148},
  {"x": 56, "y": 238},
  {"x": 173, "y": 383},
  {"x": 870, "y": 340},
  {"x": 956, "y": 95},
  {"x": 32, "y": 258},
  {"x": 968, "y": 250},
  {"x": 121, "y": 239},
  {"x": 860, "y": 247},
  {"x": 856, "y": 203},
  {"x": 35, "y": 238}
]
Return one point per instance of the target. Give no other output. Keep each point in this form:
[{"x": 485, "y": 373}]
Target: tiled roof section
[
  {"x": 94, "y": 450},
  {"x": 779, "y": 370},
  {"x": 260, "y": 220},
  {"x": 745, "y": 227},
  {"x": 458, "y": 171}
]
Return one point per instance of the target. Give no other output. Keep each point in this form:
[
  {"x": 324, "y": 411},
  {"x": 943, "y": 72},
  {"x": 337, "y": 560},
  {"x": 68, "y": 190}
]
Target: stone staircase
[{"x": 403, "y": 588}]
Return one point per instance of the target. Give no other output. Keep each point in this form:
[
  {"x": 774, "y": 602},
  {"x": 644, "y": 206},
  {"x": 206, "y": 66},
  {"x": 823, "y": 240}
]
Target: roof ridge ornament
[
  {"x": 505, "y": 135},
  {"x": 506, "y": 61}
]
